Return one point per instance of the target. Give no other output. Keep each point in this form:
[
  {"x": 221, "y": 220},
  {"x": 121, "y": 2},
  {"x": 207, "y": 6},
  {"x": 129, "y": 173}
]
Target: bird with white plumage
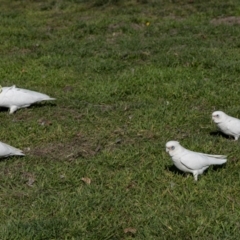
[
  {"x": 192, "y": 162},
  {"x": 15, "y": 98},
  {"x": 227, "y": 124},
  {"x": 7, "y": 151}
]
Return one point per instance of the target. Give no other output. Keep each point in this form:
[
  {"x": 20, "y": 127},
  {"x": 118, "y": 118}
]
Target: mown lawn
[{"x": 128, "y": 77}]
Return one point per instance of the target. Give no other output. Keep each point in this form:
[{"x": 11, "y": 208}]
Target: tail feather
[
  {"x": 19, "y": 153},
  {"x": 49, "y": 99},
  {"x": 14, "y": 151},
  {"x": 217, "y": 161},
  {"x": 215, "y": 156}
]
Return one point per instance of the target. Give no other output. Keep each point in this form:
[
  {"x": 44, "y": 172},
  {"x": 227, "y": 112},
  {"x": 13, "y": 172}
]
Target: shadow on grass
[
  {"x": 216, "y": 167},
  {"x": 43, "y": 104},
  {"x": 11, "y": 157},
  {"x": 35, "y": 105},
  {"x": 221, "y": 134},
  {"x": 175, "y": 170}
]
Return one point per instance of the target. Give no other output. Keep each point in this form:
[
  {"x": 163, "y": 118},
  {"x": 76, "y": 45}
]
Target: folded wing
[
  {"x": 7, "y": 150},
  {"x": 21, "y": 97},
  {"x": 195, "y": 161}
]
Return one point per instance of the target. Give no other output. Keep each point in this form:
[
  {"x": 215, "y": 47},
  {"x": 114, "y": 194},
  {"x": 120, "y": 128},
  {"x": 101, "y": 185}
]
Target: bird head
[
  {"x": 218, "y": 116},
  {"x": 172, "y": 147}
]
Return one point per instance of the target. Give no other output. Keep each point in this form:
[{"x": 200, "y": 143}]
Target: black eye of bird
[
  {"x": 217, "y": 115},
  {"x": 172, "y": 147}
]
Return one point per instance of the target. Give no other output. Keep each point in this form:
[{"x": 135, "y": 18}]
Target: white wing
[
  {"x": 233, "y": 125},
  {"x": 20, "y": 97},
  {"x": 214, "y": 156},
  {"x": 194, "y": 160},
  {"x": 7, "y": 150}
]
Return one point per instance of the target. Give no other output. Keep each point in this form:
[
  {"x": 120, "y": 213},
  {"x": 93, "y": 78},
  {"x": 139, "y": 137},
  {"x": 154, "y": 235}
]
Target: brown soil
[{"x": 226, "y": 20}]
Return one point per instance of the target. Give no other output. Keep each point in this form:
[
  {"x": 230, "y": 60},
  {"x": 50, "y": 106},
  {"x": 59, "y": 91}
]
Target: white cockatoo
[
  {"x": 228, "y": 125},
  {"x": 193, "y": 162},
  {"x": 15, "y": 98},
  {"x": 7, "y": 150}
]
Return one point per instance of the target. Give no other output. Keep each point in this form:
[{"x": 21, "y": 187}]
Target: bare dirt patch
[
  {"x": 82, "y": 146},
  {"x": 226, "y": 20},
  {"x": 76, "y": 147}
]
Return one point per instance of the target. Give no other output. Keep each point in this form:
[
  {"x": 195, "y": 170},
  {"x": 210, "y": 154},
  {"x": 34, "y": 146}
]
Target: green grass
[{"x": 128, "y": 77}]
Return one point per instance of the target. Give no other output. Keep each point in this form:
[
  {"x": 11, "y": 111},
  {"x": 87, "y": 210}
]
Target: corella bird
[
  {"x": 15, "y": 98},
  {"x": 7, "y": 150},
  {"x": 192, "y": 162},
  {"x": 228, "y": 125}
]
